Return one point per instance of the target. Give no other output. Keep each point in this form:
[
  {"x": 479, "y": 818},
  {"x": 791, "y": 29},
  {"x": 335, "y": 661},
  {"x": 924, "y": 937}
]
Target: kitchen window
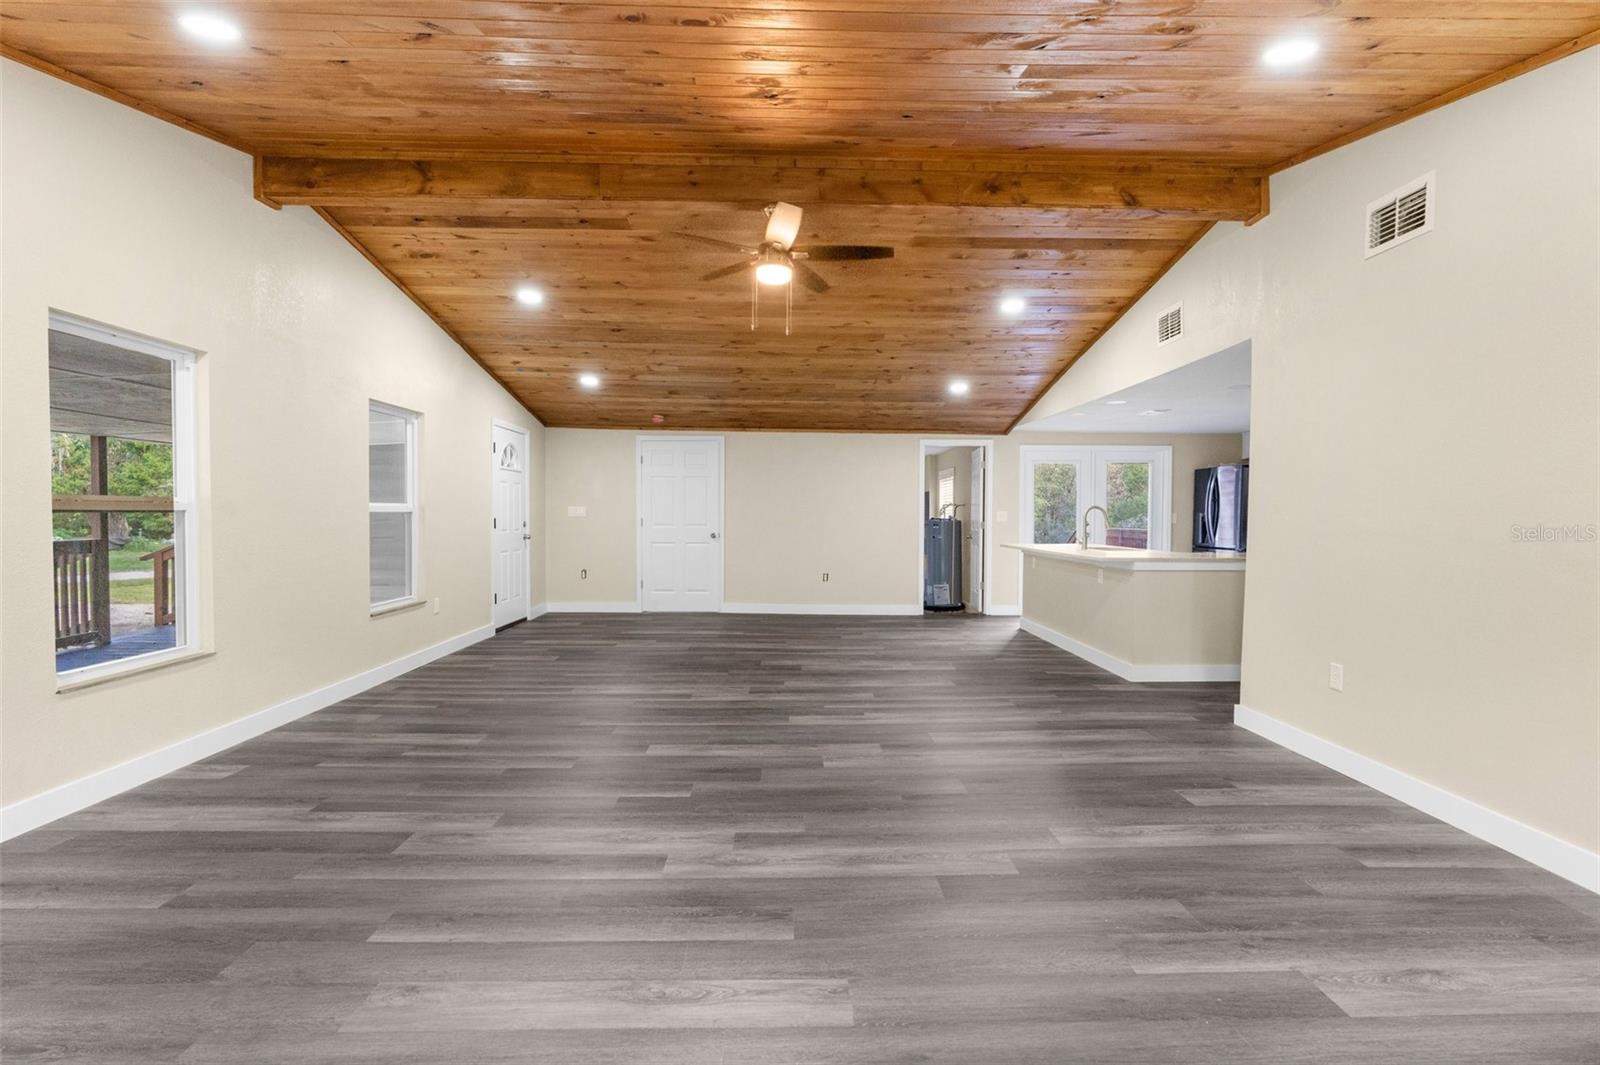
[
  {"x": 1131, "y": 485},
  {"x": 391, "y": 506}
]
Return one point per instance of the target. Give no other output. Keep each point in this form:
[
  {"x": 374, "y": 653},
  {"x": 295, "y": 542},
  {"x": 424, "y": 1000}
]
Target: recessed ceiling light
[
  {"x": 589, "y": 380},
  {"x": 1116, "y": 402},
  {"x": 959, "y": 388},
  {"x": 1156, "y": 410},
  {"x": 1013, "y": 305},
  {"x": 212, "y": 28},
  {"x": 529, "y": 296},
  {"x": 1289, "y": 53}
]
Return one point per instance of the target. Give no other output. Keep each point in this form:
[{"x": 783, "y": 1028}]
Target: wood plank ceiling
[{"x": 1060, "y": 150}]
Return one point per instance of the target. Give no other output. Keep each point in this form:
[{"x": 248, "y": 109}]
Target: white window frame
[
  {"x": 185, "y": 517},
  {"x": 1092, "y": 461},
  {"x": 1160, "y": 460},
  {"x": 410, "y": 419},
  {"x": 1049, "y": 454}
]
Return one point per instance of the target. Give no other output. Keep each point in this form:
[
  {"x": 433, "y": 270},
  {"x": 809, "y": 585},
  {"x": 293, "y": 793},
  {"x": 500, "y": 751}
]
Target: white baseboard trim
[
  {"x": 1567, "y": 860},
  {"x": 594, "y": 608},
  {"x": 896, "y": 610},
  {"x": 538, "y": 610},
  {"x": 25, "y": 815},
  {"x": 1144, "y": 674},
  {"x": 1004, "y": 611}
]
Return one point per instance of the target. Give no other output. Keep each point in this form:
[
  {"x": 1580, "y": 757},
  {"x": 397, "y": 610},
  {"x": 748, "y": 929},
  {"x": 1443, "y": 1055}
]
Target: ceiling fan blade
[
  {"x": 725, "y": 271},
  {"x": 715, "y": 243},
  {"x": 783, "y": 225},
  {"x": 832, "y": 253},
  {"x": 810, "y": 278}
]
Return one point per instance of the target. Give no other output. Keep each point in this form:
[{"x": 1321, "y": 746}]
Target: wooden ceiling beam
[{"x": 1175, "y": 188}]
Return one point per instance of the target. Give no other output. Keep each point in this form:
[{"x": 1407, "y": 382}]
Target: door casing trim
[{"x": 639, "y": 442}]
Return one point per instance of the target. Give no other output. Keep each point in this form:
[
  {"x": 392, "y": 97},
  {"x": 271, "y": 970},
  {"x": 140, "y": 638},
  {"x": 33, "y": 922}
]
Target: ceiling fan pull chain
[
  {"x": 788, "y": 306},
  {"x": 754, "y": 302}
]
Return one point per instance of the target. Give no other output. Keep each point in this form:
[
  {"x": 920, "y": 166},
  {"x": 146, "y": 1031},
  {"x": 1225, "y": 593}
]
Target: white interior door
[
  {"x": 510, "y": 536},
  {"x": 680, "y": 527},
  {"x": 976, "y": 530}
]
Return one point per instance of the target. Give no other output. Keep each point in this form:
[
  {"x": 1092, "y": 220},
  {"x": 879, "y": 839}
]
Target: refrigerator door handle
[{"x": 1213, "y": 507}]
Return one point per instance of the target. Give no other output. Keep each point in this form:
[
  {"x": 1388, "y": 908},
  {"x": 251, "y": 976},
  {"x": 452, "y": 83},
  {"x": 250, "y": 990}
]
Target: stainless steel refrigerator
[{"x": 1221, "y": 505}]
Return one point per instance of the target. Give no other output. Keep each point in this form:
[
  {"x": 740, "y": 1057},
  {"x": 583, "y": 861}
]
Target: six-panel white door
[
  {"x": 680, "y": 548},
  {"x": 509, "y": 526}
]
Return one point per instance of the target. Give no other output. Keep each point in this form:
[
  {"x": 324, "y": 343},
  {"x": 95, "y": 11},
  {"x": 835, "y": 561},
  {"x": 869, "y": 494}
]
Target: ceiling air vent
[
  {"x": 1169, "y": 326},
  {"x": 1396, "y": 218}
]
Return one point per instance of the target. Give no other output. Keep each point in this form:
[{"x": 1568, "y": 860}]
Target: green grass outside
[
  {"x": 125, "y": 559},
  {"x": 141, "y": 592}
]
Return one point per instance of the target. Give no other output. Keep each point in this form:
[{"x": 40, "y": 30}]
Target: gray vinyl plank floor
[{"x": 674, "y": 839}]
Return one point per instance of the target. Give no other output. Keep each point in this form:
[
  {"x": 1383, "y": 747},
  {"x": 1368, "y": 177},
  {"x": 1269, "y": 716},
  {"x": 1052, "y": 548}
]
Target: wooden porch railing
[
  {"x": 1128, "y": 537},
  {"x": 161, "y": 560},
  {"x": 82, "y": 616}
]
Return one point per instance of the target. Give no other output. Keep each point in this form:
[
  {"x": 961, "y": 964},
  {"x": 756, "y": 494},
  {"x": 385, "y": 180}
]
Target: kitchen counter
[
  {"x": 1143, "y": 615},
  {"x": 1134, "y": 558}
]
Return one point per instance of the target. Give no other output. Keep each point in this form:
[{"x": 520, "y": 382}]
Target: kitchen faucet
[{"x": 1085, "y": 541}]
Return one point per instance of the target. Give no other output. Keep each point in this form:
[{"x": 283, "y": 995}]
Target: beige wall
[
  {"x": 1143, "y": 617},
  {"x": 803, "y": 504},
  {"x": 591, "y": 556},
  {"x": 1427, "y": 403},
  {"x": 798, "y": 505},
  {"x": 117, "y": 217}
]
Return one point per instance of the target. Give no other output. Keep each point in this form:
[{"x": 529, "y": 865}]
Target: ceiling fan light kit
[
  {"x": 777, "y": 262},
  {"x": 774, "y": 267}
]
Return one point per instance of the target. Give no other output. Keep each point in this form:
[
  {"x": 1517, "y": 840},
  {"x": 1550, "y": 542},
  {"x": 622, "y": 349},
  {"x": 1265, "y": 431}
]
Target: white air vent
[
  {"x": 1396, "y": 218},
  {"x": 1169, "y": 326}
]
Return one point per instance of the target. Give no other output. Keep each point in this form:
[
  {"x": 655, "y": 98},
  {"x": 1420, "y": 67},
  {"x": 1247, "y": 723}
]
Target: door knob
[
  {"x": 713, "y": 536},
  {"x": 525, "y": 536}
]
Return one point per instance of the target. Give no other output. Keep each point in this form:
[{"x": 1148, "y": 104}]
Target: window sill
[
  {"x": 133, "y": 668},
  {"x": 395, "y": 607}
]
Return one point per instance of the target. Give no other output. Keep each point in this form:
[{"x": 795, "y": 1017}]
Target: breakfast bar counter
[{"x": 1143, "y": 615}]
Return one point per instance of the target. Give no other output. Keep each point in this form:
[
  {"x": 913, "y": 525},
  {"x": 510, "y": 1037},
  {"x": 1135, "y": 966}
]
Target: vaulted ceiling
[{"x": 1064, "y": 151}]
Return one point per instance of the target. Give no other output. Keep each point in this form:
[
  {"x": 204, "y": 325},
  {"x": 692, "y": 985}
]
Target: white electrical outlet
[
  {"x": 1336, "y": 676},
  {"x": 1001, "y": 515}
]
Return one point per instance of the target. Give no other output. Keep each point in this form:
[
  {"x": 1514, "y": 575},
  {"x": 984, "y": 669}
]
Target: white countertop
[{"x": 1134, "y": 558}]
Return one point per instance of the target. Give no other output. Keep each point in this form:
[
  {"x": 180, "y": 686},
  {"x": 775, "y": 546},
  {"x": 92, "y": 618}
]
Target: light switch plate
[
  {"x": 1336, "y": 676},
  {"x": 577, "y": 512},
  {"x": 1001, "y": 515}
]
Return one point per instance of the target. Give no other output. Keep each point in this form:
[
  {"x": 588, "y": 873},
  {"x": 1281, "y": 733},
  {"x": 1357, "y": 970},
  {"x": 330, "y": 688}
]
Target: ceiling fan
[{"x": 777, "y": 261}]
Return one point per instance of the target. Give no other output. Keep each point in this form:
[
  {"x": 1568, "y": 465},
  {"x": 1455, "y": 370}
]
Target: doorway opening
[{"x": 956, "y": 501}]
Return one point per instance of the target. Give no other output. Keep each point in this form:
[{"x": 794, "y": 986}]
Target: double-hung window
[{"x": 391, "y": 506}]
